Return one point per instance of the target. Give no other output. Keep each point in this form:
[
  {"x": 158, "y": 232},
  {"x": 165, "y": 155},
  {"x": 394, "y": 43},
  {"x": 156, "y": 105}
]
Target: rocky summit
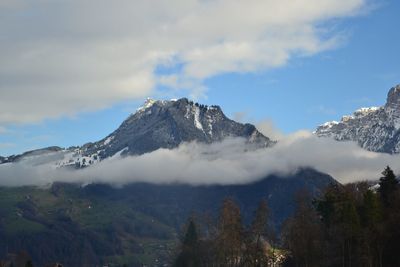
[
  {"x": 376, "y": 128},
  {"x": 166, "y": 124}
]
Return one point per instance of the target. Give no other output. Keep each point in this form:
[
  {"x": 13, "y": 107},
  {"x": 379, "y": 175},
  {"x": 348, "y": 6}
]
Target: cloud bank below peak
[
  {"x": 64, "y": 57},
  {"x": 227, "y": 162}
]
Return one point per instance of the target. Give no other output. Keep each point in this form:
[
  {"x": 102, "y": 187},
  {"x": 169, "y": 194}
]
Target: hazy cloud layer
[
  {"x": 227, "y": 162},
  {"x": 62, "y": 57},
  {"x": 268, "y": 128}
]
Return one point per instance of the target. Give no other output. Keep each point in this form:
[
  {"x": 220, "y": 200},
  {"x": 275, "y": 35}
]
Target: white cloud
[
  {"x": 228, "y": 162},
  {"x": 268, "y": 128},
  {"x": 62, "y": 57},
  {"x": 6, "y": 145}
]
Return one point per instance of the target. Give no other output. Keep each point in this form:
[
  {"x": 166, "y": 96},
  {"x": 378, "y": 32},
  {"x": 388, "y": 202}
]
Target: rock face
[
  {"x": 166, "y": 124},
  {"x": 376, "y": 129}
]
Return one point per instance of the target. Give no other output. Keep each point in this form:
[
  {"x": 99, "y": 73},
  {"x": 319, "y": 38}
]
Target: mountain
[
  {"x": 32, "y": 153},
  {"x": 376, "y": 128},
  {"x": 166, "y": 124},
  {"x": 157, "y": 124},
  {"x": 138, "y": 224}
]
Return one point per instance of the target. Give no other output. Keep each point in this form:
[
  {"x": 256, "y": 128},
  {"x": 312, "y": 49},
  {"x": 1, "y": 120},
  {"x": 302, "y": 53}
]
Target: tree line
[
  {"x": 352, "y": 225},
  {"x": 227, "y": 242},
  {"x": 22, "y": 259}
]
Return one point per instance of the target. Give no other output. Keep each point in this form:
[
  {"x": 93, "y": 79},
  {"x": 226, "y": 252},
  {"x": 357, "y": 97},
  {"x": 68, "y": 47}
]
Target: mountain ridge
[
  {"x": 376, "y": 129},
  {"x": 100, "y": 224},
  {"x": 166, "y": 124},
  {"x": 157, "y": 124}
]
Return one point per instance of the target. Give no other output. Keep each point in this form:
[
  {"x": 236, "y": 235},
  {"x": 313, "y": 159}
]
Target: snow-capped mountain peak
[
  {"x": 365, "y": 111},
  {"x": 168, "y": 123},
  {"x": 147, "y": 104},
  {"x": 375, "y": 128}
]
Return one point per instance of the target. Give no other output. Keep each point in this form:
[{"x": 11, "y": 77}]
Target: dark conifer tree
[
  {"x": 189, "y": 256},
  {"x": 302, "y": 234},
  {"x": 390, "y": 196},
  {"x": 388, "y": 185},
  {"x": 372, "y": 230}
]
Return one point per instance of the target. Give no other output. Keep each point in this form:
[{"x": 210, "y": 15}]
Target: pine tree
[
  {"x": 191, "y": 237},
  {"x": 388, "y": 185},
  {"x": 390, "y": 197},
  {"x": 189, "y": 256},
  {"x": 302, "y": 234},
  {"x": 373, "y": 229}
]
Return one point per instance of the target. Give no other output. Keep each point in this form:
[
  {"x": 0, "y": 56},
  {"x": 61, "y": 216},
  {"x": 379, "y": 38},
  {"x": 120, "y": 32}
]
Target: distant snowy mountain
[
  {"x": 32, "y": 154},
  {"x": 375, "y": 129},
  {"x": 157, "y": 124}
]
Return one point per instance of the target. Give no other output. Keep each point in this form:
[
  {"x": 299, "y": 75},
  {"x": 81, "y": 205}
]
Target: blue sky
[
  {"x": 312, "y": 90},
  {"x": 309, "y": 88}
]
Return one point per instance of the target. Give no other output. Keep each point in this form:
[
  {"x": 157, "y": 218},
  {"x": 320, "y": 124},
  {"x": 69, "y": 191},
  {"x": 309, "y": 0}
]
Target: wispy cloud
[
  {"x": 6, "y": 145},
  {"x": 56, "y": 61},
  {"x": 240, "y": 116},
  {"x": 321, "y": 109},
  {"x": 361, "y": 100},
  {"x": 268, "y": 128},
  {"x": 3, "y": 130}
]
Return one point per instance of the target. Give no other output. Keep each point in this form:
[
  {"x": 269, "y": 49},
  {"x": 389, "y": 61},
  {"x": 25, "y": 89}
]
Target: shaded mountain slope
[
  {"x": 375, "y": 129},
  {"x": 137, "y": 224}
]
